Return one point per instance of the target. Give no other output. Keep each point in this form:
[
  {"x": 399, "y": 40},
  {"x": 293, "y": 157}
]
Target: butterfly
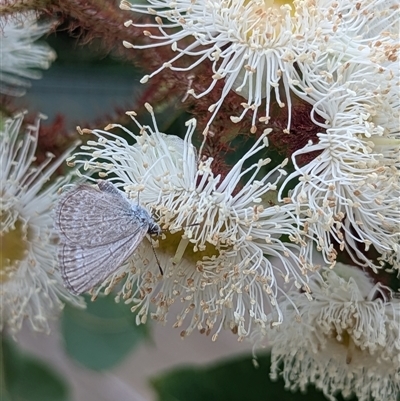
[{"x": 98, "y": 228}]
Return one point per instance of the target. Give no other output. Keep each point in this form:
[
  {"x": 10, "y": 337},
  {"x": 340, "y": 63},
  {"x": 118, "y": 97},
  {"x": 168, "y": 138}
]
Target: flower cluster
[
  {"x": 314, "y": 80},
  {"x": 30, "y": 283},
  {"x": 327, "y": 54},
  {"x": 218, "y": 235}
]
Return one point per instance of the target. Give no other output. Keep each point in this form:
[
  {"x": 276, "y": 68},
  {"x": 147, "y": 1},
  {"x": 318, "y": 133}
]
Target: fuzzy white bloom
[
  {"x": 347, "y": 339},
  {"x": 218, "y": 235},
  {"x": 30, "y": 284},
  {"x": 350, "y": 192},
  {"x": 20, "y": 56},
  {"x": 262, "y": 49}
]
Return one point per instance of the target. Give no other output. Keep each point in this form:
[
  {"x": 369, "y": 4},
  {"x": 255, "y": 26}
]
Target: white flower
[
  {"x": 20, "y": 56},
  {"x": 266, "y": 49},
  {"x": 218, "y": 236},
  {"x": 347, "y": 339},
  {"x": 350, "y": 191},
  {"x": 30, "y": 284}
]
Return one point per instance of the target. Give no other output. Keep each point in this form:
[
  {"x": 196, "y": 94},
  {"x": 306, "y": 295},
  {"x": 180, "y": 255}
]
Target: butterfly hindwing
[{"x": 84, "y": 267}]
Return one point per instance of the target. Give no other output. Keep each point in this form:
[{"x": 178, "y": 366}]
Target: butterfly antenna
[{"x": 155, "y": 254}]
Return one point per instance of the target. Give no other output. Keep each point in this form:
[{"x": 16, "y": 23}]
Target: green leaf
[
  {"x": 102, "y": 335},
  {"x": 23, "y": 378},
  {"x": 234, "y": 380}
]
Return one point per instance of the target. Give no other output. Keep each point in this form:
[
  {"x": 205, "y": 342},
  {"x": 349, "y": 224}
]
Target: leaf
[
  {"x": 26, "y": 379},
  {"x": 102, "y": 335},
  {"x": 233, "y": 380}
]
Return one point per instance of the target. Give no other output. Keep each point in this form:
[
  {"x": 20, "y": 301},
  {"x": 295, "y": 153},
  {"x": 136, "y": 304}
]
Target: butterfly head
[{"x": 154, "y": 229}]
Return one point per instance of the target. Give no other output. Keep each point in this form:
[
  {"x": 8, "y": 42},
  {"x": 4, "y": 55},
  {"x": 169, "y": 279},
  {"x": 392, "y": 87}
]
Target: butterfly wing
[
  {"x": 84, "y": 267},
  {"x": 93, "y": 216}
]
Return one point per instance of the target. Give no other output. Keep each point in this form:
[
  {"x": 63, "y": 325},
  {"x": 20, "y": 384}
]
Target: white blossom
[
  {"x": 346, "y": 339},
  {"x": 218, "y": 236},
  {"x": 264, "y": 49},
  {"x": 30, "y": 283},
  {"x": 20, "y": 56},
  {"x": 350, "y": 191}
]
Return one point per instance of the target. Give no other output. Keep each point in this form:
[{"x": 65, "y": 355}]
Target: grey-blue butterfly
[{"x": 99, "y": 228}]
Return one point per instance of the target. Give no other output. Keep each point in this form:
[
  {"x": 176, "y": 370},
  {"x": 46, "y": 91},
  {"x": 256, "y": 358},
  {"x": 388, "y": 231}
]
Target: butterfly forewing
[
  {"x": 84, "y": 267},
  {"x": 89, "y": 216}
]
